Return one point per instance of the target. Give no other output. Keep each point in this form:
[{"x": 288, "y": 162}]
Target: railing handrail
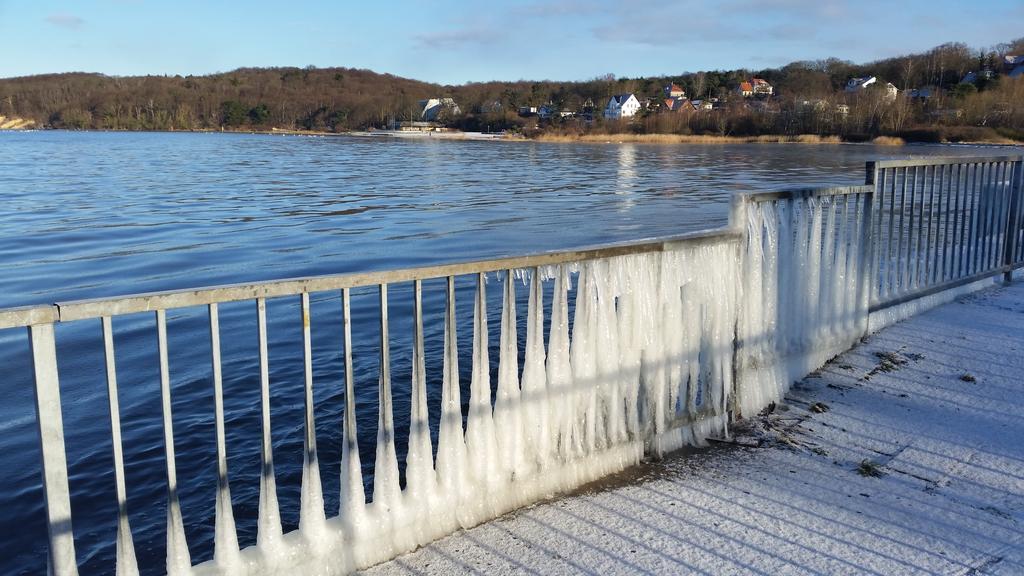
[
  {"x": 936, "y": 160},
  {"x": 182, "y": 298}
]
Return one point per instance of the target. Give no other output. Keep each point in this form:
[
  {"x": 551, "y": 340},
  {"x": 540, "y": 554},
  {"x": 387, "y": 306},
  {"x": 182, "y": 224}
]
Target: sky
[{"x": 453, "y": 42}]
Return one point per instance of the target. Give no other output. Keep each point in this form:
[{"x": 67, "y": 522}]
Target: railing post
[
  {"x": 51, "y": 442},
  {"x": 866, "y": 257},
  {"x": 1012, "y": 219}
]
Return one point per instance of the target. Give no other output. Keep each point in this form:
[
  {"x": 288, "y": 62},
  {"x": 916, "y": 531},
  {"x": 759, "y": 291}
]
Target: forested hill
[
  {"x": 310, "y": 98},
  {"x": 339, "y": 99}
]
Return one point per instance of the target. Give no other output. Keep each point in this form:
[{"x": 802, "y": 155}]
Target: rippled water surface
[{"x": 100, "y": 214}]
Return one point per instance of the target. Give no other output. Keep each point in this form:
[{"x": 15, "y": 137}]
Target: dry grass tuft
[{"x": 888, "y": 141}]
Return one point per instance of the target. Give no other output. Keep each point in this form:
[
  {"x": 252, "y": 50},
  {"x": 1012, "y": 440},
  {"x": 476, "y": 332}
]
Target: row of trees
[{"x": 338, "y": 99}]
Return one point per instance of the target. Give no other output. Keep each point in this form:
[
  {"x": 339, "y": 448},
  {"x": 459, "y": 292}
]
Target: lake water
[{"x": 101, "y": 214}]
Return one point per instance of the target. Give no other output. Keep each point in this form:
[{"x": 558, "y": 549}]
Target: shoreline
[{"x": 659, "y": 138}]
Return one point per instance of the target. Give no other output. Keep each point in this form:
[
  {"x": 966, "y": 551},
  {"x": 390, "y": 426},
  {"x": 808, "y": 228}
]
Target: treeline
[
  {"x": 808, "y": 98},
  {"x": 331, "y": 99}
]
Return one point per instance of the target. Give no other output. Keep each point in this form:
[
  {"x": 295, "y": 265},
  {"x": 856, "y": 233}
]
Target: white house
[
  {"x": 622, "y": 106},
  {"x": 435, "y": 108},
  {"x": 858, "y": 84},
  {"x": 891, "y": 91}
]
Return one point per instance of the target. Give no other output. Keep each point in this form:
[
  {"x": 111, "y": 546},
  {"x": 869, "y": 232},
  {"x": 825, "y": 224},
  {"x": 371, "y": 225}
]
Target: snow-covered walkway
[{"x": 904, "y": 455}]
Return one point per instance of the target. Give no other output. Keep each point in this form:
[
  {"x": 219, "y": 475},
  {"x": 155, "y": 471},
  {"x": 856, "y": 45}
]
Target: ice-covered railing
[{"x": 603, "y": 355}]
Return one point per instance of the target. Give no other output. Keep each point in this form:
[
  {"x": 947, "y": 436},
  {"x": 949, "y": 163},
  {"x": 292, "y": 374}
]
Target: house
[
  {"x": 858, "y": 84},
  {"x": 680, "y": 104},
  {"x": 435, "y": 109},
  {"x": 416, "y": 126},
  {"x": 622, "y": 106},
  {"x": 702, "y": 104},
  {"x": 745, "y": 89},
  {"x": 550, "y": 110},
  {"x": 674, "y": 91},
  {"x": 1017, "y": 72},
  {"x": 922, "y": 93},
  {"x": 494, "y": 107},
  {"x": 891, "y": 91},
  {"x": 528, "y": 110},
  {"x": 761, "y": 87},
  {"x": 1011, "y": 62}
]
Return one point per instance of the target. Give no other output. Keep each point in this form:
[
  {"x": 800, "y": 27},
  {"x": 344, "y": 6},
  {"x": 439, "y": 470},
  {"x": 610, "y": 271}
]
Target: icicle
[
  {"x": 481, "y": 443},
  {"x": 311, "y": 506},
  {"x": 225, "y": 550},
  {"x": 269, "y": 533},
  {"x": 630, "y": 340},
  {"x": 582, "y": 358},
  {"x": 352, "y": 500},
  {"x": 420, "y": 478},
  {"x": 507, "y": 411},
  {"x": 451, "y": 445},
  {"x": 535, "y": 401},
  {"x": 387, "y": 502},
  {"x": 178, "y": 558},
  {"x": 559, "y": 371},
  {"x": 612, "y": 407}
]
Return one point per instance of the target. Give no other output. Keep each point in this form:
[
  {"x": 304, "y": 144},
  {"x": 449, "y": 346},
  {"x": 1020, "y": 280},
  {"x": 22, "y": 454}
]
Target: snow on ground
[{"x": 904, "y": 455}]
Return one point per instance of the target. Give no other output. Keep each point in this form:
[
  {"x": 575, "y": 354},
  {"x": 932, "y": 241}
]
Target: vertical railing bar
[
  {"x": 938, "y": 247},
  {"x": 914, "y": 252},
  {"x": 986, "y": 229},
  {"x": 925, "y": 229},
  {"x": 864, "y": 271},
  {"x": 933, "y": 223},
  {"x": 879, "y": 193},
  {"x": 965, "y": 216},
  {"x": 352, "y": 496},
  {"x": 950, "y": 223},
  {"x": 992, "y": 216},
  {"x": 386, "y": 489},
  {"x": 982, "y": 212},
  {"x": 311, "y": 505},
  {"x": 125, "y": 560},
  {"x": 1012, "y": 220},
  {"x": 893, "y": 262},
  {"x": 225, "y": 539},
  {"x": 845, "y": 242},
  {"x": 1018, "y": 228},
  {"x": 269, "y": 530},
  {"x": 986, "y": 222},
  {"x": 904, "y": 231},
  {"x": 178, "y": 558},
  {"x": 1004, "y": 208},
  {"x": 50, "y": 425},
  {"x": 974, "y": 223}
]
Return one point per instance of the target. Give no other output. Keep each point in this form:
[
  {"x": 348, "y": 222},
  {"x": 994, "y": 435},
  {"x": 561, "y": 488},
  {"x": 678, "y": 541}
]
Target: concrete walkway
[{"x": 902, "y": 456}]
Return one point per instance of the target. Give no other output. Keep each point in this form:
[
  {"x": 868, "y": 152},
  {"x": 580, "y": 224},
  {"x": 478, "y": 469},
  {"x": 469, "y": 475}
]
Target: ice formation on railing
[
  {"x": 647, "y": 364},
  {"x": 805, "y": 298}
]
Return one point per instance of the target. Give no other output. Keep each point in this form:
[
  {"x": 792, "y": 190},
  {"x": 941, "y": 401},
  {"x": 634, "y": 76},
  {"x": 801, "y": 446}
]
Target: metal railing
[
  {"x": 943, "y": 223},
  {"x": 628, "y": 348}
]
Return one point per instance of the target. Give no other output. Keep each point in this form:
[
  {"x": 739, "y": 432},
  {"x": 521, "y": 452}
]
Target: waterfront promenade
[{"x": 901, "y": 456}]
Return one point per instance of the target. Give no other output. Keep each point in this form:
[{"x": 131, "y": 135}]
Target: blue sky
[{"x": 454, "y": 42}]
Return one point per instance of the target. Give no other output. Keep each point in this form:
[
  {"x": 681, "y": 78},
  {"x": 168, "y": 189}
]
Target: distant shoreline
[{"x": 626, "y": 138}]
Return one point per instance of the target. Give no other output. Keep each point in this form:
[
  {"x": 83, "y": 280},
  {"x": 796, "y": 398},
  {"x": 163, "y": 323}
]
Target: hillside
[{"x": 808, "y": 98}]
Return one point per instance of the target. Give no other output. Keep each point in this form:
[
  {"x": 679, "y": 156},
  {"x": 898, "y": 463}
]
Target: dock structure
[{"x": 583, "y": 362}]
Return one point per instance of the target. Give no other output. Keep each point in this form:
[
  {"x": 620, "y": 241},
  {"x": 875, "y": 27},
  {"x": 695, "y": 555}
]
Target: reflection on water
[
  {"x": 627, "y": 176},
  {"x": 96, "y": 214}
]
